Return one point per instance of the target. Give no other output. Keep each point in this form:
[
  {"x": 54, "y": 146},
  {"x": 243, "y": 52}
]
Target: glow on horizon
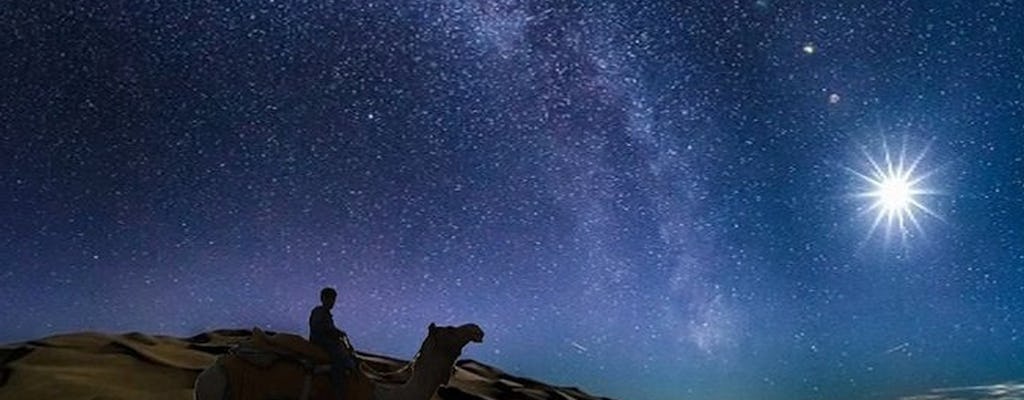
[{"x": 895, "y": 191}]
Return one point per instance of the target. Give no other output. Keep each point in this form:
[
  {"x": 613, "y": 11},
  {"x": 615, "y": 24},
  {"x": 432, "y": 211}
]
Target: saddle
[
  {"x": 289, "y": 346},
  {"x": 264, "y": 350}
]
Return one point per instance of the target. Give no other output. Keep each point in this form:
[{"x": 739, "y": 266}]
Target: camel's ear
[{"x": 432, "y": 327}]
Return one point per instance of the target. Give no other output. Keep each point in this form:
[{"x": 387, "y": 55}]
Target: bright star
[{"x": 895, "y": 191}]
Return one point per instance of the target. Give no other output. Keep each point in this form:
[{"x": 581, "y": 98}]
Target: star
[{"x": 894, "y": 191}]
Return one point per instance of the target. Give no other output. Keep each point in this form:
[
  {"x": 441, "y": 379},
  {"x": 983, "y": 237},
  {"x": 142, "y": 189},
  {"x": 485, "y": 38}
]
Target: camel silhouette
[{"x": 301, "y": 373}]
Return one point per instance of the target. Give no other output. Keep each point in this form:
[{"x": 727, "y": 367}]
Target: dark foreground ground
[{"x": 92, "y": 365}]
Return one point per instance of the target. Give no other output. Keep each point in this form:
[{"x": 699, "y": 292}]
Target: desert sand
[{"x": 92, "y": 365}]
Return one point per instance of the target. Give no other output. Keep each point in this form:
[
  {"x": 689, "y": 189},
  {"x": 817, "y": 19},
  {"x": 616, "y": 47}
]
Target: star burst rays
[{"x": 894, "y": 191}]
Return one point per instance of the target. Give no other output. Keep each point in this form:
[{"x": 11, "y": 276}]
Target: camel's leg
[{"x": 211, "y": 384}]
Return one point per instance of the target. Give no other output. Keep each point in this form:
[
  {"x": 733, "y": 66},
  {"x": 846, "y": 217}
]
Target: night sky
[{"x": 646, "y": 199}]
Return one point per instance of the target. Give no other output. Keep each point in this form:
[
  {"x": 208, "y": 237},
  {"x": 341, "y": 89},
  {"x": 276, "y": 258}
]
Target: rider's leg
[{"x": 339, "y": 363}]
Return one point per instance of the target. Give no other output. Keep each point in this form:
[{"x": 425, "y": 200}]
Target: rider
[{"x": 324, "y": 334}]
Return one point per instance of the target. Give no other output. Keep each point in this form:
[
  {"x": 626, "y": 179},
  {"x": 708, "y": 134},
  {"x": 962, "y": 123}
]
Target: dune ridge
[{"x": 96, "y": 365}]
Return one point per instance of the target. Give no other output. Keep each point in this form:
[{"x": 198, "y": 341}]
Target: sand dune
[{"x": 92, "y": 365}]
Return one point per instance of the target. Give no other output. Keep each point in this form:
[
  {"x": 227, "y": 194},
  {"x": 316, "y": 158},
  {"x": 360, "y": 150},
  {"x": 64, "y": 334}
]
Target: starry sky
[{"x": 646, "y": 199}]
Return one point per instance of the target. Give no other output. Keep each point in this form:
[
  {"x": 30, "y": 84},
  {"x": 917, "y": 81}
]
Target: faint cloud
[{"x": 1000, "y": 391}]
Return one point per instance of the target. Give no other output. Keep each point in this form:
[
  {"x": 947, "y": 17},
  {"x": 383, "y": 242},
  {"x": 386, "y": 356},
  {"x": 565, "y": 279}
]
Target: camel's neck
[{"x": 431, "y": 370}]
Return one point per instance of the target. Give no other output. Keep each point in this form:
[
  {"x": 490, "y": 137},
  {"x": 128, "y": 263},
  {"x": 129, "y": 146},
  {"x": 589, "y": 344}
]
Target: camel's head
[
  {"x": 455, "y": 337},
  {"x": 473, "y": 332},
  {"x": 448, "y": 341}
]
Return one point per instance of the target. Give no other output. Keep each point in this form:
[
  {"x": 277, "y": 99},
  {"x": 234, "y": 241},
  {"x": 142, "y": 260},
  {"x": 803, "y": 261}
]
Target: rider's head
[{"x": 327, "y": 297}]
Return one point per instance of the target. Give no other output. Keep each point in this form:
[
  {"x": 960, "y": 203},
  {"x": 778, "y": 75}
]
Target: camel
[{"x": 431, "y": 367}]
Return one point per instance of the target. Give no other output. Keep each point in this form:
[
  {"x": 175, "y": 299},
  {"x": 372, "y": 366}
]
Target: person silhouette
[{"x": 324, "y": 334}]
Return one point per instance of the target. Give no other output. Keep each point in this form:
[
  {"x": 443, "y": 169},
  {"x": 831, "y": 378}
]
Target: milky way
[{"x": 649, "y": 200}]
